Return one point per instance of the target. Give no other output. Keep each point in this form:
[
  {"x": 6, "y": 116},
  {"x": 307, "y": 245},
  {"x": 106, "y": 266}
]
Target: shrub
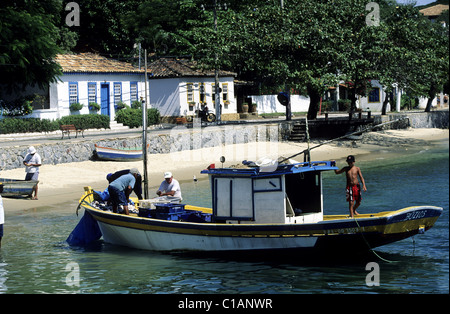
[
  {"x": 75, "y": 106},
  {"x": 93, "y": 106},
  {"x": 86, "y": 121},
  {"x": 133, "y": 117}
]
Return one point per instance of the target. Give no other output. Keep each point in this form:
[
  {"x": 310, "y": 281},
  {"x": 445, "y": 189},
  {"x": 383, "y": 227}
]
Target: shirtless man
[{"x": 353, "y": 187}]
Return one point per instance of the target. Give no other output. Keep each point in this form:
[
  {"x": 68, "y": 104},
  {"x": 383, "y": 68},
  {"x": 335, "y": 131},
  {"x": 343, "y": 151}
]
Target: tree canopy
[{"x": 301, "y": 45}]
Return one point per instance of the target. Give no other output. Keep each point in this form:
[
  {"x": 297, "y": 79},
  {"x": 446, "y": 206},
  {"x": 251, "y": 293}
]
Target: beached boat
[
  {"x": 17, "y": 188},
  {"x": 274, "y": 207},
  {"x": 118, "y": 154}
]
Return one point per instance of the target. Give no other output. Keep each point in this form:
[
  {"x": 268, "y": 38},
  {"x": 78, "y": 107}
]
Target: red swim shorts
[{"x": 354, "y": 193}]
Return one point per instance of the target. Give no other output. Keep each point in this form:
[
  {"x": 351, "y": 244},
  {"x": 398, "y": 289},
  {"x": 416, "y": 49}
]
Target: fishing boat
[
  {"x": 118, "y": 154},
  {"x": 17, "y": 188},
  {"x": 271, "y": 207}
]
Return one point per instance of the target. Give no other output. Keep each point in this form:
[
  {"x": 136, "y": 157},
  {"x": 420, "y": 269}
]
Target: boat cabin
[{"x": 292, "y": 193}]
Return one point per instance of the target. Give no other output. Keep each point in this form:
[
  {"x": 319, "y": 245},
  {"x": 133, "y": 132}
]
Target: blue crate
[
  {"x": 146, "y": 212},
  {"x": 169, "y": 208}
]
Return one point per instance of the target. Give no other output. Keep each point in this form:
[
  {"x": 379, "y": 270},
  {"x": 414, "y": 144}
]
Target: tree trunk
[
  {"x": 385, "y": 102},
  {"x": 431, "y": 95},
  {"x": 314, "y": 100}
]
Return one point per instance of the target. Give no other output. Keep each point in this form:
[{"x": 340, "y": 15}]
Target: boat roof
[{"x": 282, "y": 169}]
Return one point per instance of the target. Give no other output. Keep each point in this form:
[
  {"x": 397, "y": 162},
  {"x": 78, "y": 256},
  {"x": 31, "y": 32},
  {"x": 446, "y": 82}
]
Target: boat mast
[{"x": 144, "y": 132}]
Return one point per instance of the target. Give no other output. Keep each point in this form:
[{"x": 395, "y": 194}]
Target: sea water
[{"x": 35, "y": 258}]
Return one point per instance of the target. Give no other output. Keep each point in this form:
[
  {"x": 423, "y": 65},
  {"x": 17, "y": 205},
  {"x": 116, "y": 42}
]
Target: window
[
  {"x": 92, "y": 92},
  {"x": 133, "y": 91},
  {"x": 73, "y": 93},
  {"x": 117, "y": 92},
  {"x": 190, "y": 92},
  {"x": 374, "y": 95},
  {"x": 202, "y": 92},
  {"x": 225, "y": 93},
  {"x": 214, "y": 93}
]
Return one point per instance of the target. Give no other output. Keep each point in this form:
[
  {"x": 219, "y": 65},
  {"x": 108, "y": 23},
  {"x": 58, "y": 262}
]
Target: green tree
[{"x": 28, "y": 44}]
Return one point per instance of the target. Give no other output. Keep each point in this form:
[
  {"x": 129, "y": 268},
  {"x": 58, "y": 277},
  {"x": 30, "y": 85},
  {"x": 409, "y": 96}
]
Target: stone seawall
[
  {"x": 181, "y": 138},
  {"x": 160, "y": 142}
]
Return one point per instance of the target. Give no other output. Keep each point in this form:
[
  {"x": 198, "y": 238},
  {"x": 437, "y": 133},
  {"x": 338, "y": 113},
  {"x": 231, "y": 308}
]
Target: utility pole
[
  {"x": 144, "y": 131},
  {"x": 216, "y": 71}
]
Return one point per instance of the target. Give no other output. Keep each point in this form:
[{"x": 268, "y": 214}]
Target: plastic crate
[
  {"x": 169, "y": 208},
  {"x": 146, "y": 212}
]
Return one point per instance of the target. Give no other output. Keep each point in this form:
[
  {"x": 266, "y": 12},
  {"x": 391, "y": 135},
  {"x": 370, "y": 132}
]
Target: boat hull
[
  {"x": 114, "y": 154},
  {"x": 17, "y": 188},
  {"x": 334, "y": 233}
]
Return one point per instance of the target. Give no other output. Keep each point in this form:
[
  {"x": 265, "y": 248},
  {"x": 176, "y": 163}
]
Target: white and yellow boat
[{"x": 258, "y": 209}]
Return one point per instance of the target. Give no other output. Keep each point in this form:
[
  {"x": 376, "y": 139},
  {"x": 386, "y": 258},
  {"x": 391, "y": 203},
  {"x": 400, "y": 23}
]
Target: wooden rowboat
[
  {"x": 118, "y": 154},
  {"x": 17, "y": 188}
]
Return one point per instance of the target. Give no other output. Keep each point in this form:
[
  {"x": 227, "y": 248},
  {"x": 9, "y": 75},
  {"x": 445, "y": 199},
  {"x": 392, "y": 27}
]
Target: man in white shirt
[
  {"x": 32, "y": 163},
  {"x": 169, "y": 186},
  {"x": 2, "y": 216}
]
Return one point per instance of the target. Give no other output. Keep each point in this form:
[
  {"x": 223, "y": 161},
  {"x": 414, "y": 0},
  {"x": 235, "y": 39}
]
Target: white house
[
  {"x": 178, "y": 87},
  {"x": 91, "y": 78}
]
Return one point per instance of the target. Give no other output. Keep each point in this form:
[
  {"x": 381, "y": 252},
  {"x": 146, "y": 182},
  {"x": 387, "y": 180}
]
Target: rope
[{"x": 368, "y": 245}]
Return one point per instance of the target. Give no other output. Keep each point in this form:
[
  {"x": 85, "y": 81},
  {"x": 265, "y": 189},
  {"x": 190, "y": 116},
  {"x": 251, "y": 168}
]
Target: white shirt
[
  {"x": 173, "y": 186},
  {"x": 32, "y": 159},
  {"x": 2, "y": 212}
]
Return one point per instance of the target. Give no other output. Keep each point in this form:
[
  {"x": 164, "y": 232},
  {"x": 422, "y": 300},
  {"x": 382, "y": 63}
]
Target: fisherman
[
  {"x": 137, "y": 186},
  {"x": 32, "y": 163},
  {"x": 169, "y": 186},
  {"x": 120, "y": 190},
  {"x": 353, "y": 190}
]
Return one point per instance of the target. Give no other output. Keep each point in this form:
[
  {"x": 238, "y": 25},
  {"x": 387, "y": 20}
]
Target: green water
[{"x": 35, "y": 258}]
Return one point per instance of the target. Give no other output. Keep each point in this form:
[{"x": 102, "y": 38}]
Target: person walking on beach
[
  {"x": 32, "y": 163},
  {"x": 353, "y": 190},
  {"x": 120, "y": 190}
]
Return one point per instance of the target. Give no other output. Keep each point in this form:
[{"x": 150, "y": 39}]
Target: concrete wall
[{"x": 181, "y": 138}]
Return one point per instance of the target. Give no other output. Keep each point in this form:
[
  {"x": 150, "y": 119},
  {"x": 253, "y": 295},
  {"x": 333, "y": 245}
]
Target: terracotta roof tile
[
  {"x": 434, "y": 10},
  {"x": 92, "y": 63},
  {"x": 173, "y": 67}
]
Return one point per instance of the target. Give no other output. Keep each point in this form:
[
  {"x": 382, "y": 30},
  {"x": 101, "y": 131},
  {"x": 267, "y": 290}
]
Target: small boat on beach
[
  {"x": 257, "y": 208},
  {"x": 17, "y": 188},
  {"x": 118, "y": 154}
]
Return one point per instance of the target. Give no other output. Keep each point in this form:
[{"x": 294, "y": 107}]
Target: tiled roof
[
  {"x": 93, "y": 63},
  {"x": 173, "y": 67},
  {"x": 435, "y": 10}
]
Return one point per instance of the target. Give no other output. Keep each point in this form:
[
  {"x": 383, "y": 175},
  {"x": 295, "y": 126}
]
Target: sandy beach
[{"x": 64, "y": 182}]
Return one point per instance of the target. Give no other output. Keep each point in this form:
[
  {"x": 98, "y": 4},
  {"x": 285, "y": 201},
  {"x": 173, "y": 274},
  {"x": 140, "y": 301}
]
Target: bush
[
  {"x": 93, "y": 106},
  {"x": 75, "y": 106},
  {"x": 133, "y": 117},
  {"x": 86, "y": 121},
  {"x": 15, "y": 125}
]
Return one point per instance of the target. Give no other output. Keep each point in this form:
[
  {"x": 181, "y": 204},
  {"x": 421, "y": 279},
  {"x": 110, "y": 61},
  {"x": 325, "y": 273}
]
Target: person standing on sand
[
  {"x": 353, "y": 190},
  {"x": 32, "y": 163},
  {"x": 2, "y": 215}
]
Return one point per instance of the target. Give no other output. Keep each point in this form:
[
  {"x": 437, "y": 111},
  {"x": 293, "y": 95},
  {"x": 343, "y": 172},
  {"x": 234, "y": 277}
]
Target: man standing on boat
[
  {"x": 169, "y": 186},
  {"x": 32, "y": 163},
  {"x": 353, "y": 190},
  {"x": 120, "y": 190}
]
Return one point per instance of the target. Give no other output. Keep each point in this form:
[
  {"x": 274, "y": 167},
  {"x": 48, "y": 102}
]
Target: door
[{"x": 105, "y": 99}]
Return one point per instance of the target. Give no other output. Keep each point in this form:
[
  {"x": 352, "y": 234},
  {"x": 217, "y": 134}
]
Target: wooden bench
[{"x": 67, "y": 128}]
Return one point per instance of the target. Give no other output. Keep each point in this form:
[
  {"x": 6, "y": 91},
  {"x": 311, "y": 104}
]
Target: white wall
[
  {"x": 270, "y": 104},
  {"x": 59, "y": 92},
  {"x": 169, "y": 95}
]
